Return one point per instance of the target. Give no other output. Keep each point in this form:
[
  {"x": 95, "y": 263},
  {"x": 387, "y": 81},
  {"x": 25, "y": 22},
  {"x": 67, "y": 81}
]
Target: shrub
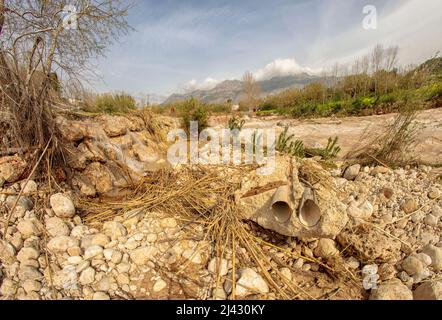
[
  {"x": 219, "y": 107},
  {"x": 236, "y": 123},
  {"x": 194, "y": 110},
  {"x": 387, "y": 99},
  {"x": 112, "y": 103},
  {"x": 264, "y": 113},
  {"x": 393, "y": 145},
  {"x": 433, "y": 91},
  {"x": 267, "y": 106},
  {"x": 331, "y": 151},
  {"x": 285, "y": 144}
]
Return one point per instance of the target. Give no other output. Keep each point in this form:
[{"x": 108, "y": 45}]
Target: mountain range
[{"x": 233, "y": 89}]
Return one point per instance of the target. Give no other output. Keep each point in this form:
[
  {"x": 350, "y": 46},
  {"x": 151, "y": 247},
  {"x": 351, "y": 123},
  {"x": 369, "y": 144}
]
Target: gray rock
[
  {"x": 100, "y": 296},
  {"x": 62, "y": 205},
  {"x": 431, "y": 220},
  {"x": 433, "y": 193},
  {"x": 159, "y": 285},
  {"x": 219, "y": 294},
  {"x": 409, "y": 206},
  {"x": 392, "y": 290},
  {"x": 380, "y": 170},
  {"x": 78, "y": 232},
  {"x": 435, "y": 254},
  {"x": 99, "y": 239},
  {"x": 92, "y": 252},
  {"x": 218, "y": 266},
  {"x": 142, "y": 255},
  {"x": 436, "y": 211},
  {"x": 29, "y": 228},
  {"x": 31, "y": 285},
  {"x": 114, "y": 229},
  {"x": 29, "y": 273},
  {"x": 326, "y": 248},
  {"x": 425, "y": 258},
  {"x": 28, "y": 254},
  {"x": 113, "y": 255},
  {"x": 250, "y": 282},
  {"x": 62, "y": 244},
  {"x": 352, "y": 172},
  {"x": 413, "y": 265},
  {"x": 8, "y": 288},
  {"x": 57, "y": 227},
  {"x": 87, "y": 276},
  {"x": 29, "y": 188},
  {"x": 23, "y": 202},
  {"x": 11, "y": 168},
  {"x": 7, "y": 253},
  {"x": 431, "y": 290}
]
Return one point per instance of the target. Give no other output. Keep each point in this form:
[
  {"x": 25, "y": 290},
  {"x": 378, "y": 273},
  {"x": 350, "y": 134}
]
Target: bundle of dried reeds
[{"x": 204, "y": 196}]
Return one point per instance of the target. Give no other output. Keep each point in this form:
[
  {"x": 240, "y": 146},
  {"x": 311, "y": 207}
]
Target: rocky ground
[
  {"x": 51, "y": 254},
  {"x": 390, "y": 246}
]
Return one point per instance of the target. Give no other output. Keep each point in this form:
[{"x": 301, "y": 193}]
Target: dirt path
[{"x": 350, "y": 130}]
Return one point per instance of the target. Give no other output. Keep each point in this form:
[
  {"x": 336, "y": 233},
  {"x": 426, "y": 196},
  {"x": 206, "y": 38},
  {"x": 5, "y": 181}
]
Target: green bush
[
  {"x": 331, "y": 151},
  {"x": 267, "y": 106},
  {"x": 194, "y": 110},
  {"x": 432, "y": 91},
  {"x": 264, "y": 113},
  {"x": 236, "y": 123},
  {"x": 360, "y": 104},
  {"x": 113, "y": 103},
  {"x": 219, "y": 107},
  {"x": 285, "y": 144},
  {"x": 387, "y": 99}
]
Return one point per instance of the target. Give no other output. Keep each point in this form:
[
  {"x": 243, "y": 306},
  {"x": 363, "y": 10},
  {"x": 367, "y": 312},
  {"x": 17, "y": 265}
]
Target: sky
[{"x": 185, "y": 45}]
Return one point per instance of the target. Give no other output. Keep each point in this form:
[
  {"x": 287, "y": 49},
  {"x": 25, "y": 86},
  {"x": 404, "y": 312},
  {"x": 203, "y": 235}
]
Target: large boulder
[
  {"x": 71, "y": 131},
  {"x": 115, "y": 126}
]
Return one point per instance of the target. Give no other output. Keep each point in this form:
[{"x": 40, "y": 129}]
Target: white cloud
[
  {"x": 414, "y": 26},
  {"x": 283, "y": 67},
  {"x": 207, "y": 84}
]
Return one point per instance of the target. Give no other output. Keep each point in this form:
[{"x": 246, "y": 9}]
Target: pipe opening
[
  {"x": 310, "y": 213},
  {"x": 282, "y": 211}
]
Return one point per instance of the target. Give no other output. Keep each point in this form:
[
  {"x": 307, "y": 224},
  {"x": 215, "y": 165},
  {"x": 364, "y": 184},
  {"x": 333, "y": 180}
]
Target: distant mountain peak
[{"x": 232, "y": 89}]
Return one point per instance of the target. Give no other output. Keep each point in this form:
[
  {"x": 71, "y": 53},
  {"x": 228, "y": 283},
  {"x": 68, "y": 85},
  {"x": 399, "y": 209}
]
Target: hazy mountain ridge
[{"x": 232, "y": 89}]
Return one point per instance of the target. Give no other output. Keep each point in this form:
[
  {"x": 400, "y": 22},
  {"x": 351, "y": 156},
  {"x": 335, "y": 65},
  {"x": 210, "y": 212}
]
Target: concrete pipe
[
  {"x": 281, "y": 204},
  {"x": 309, "y": 212}
]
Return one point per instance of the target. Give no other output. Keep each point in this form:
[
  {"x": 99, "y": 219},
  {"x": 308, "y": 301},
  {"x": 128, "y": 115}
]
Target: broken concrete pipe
[
  {"x": 309, "y": 212},
  {"x": 281, "y": 204}
]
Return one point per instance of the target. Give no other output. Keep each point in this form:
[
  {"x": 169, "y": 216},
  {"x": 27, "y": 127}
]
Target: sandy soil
[{"x": 352, "y": 131}]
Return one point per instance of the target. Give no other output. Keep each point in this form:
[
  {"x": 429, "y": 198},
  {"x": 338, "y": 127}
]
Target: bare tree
[
  {"x": 251, "y": 90},
  {"x": 43, "y": 40},
  {"x": 391, "y": 56},
  {"x": 377, "y": 57}
]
